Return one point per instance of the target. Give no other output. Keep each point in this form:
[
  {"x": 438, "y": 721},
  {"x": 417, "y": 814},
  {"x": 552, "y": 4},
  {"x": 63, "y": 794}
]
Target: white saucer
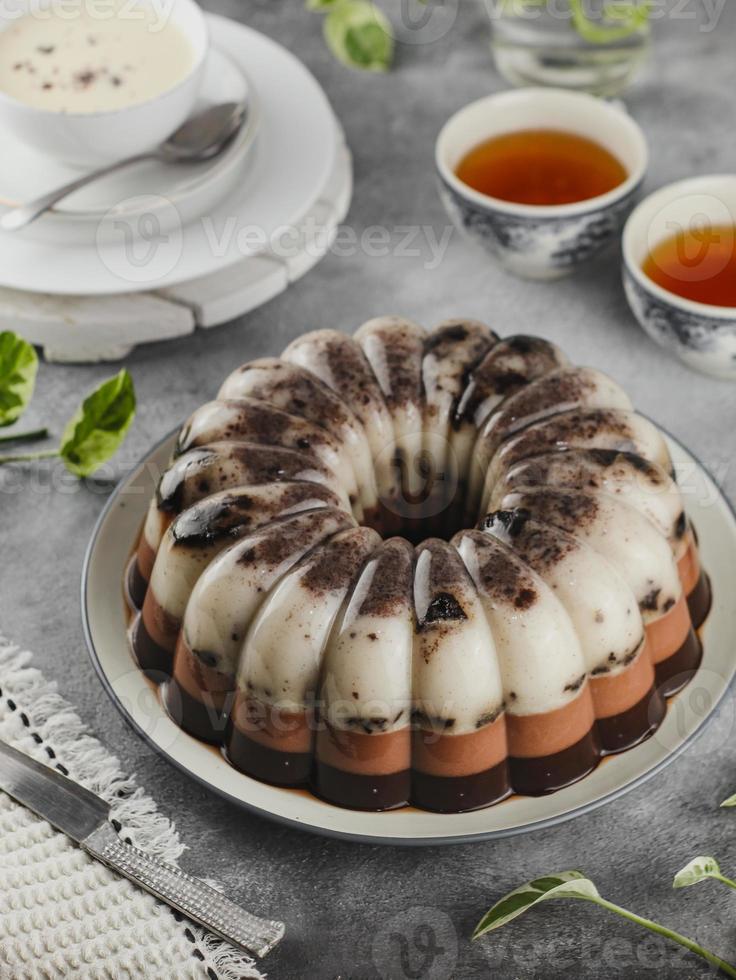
[
  {"x": 84, "y": 329},
  {"x": 289, "y": 167},
  {"x": 94, "y": 210},
  {"x": 105, "y": 623}
]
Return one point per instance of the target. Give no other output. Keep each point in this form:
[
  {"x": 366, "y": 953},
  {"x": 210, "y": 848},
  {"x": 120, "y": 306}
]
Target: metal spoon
[{"x": 200, "y": 138}]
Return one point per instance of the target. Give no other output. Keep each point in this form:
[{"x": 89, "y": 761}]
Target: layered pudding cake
[{"x": 428, "y": 568}]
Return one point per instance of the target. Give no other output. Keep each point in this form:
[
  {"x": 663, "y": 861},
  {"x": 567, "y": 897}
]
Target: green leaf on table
[
  {"x": 18, "y": 369},
  {"x": 697, "y": 870},
  {"x": 731, "y": 801},
  {"x": 99, "y": 425},
  {"x": 359, "y": 35},
  {"x": 574, "y": 884},
  {"x": 565, "y": 884}
]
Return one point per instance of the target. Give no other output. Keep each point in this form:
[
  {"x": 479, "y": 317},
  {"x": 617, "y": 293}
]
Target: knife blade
[{"x": 84, "y": 817}]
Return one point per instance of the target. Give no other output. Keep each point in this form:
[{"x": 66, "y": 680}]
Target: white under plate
[
  {"x": 289, "y": 166},
  {"x": 105, "y": 625},
  {"x": 194, "y": 189}
]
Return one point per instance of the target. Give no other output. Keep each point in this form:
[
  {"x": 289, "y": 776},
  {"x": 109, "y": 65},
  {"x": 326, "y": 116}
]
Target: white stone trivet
[
  {"x": 63, "y": 915},
  {"x": 81, "y": 329}
]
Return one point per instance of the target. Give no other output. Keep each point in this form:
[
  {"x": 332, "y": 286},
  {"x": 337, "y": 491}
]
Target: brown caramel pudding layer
[
  {"x": 268, "y": 743},
  {"x": 614, "y": 694},
  {"x": 688, "y": 566},
  {"x": 624, "y": 730},
  {"x": 154, "y": 661},
  {"x": 161, "y": 627},
  {"x": 550, "y": 732},
  {"x": 203, "y": 717},
  {"x": 145, "y": 558},
  {"x": 667, "y": 633},
  {"x": 438, "y": 754},
  {"x": 261, "y": 761},
  {"x": 453, "y": 773},
  {"x": 547, "y": 773},
  {"x": 198, "y": 695},
  {"x": 362, "y": 771},
  {"x": 135, "y": 584},
  {"x": 673, "y": 674}
]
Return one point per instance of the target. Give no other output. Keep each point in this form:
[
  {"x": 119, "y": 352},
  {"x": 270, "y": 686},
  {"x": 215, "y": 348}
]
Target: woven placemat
[{"x": 62, "y": 914}]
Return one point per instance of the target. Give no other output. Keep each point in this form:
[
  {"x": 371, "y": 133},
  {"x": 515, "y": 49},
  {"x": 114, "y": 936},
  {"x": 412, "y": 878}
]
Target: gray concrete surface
[{"x": 361, "y": 912}]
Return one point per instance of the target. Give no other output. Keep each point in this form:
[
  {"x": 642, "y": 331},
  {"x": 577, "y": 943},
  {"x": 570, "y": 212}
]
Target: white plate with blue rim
[
  {"x": 105, "y": 620},
  {"x": 284, "y": 173}
]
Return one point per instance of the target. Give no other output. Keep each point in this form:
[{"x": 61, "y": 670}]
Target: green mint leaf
[
  {"x": 565, "y": 884},
  {"x": 359, "y": 35},
  {"x": 697, "y": 870},
  {"x": 18, "y": 369},
  {"x": 731, "y": 801},
  {"x": 99, "y": 425}
]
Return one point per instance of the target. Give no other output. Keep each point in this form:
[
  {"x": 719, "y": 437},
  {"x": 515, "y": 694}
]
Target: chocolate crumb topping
[
  {"x": 435, "y": 723},
  {"x": 501, "y": 574},
  {"x": 296, "y": 390},
  {"x": 207, "y": 658},
  {"x": 525, "y": 598},
  {"x": 213, "y": 519},
  {"x": 346, "y": 364},
  {"x": 565, "y": 508},
  {"x": 251, "y": 463},
  {"x": 83, "y": 79},
  {"x": 650, "y": 600},
  {"x": 568, "y": 429},
  {"x": 442, "y": 608},
  {"x": 506, "y": 368},
  {"x": 488, "y": 717},
  {"x": 576, "y": 684},
  {"x": 289, "y": 538},
  {"x": 336, "y": 564},
  {"x": 541, "y": 545},
  {"x": 452, "y": 333},
  {"x": 559, "y": 391},
  {"x": 401, "y": 347},
  {"x": 390, "y": 586}
]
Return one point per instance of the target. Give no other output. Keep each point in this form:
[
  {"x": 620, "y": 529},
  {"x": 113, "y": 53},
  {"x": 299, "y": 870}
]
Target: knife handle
[{"x": 181, "y": 891}]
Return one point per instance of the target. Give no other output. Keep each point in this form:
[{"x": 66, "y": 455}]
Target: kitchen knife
[{"x": 84, "y": 817}]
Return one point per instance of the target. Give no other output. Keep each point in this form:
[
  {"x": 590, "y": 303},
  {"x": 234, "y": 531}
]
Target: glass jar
[{"x": 576, "y": 44}]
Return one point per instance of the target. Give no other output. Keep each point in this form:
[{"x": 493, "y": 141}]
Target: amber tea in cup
[
  {"x": 541, "y": 167},
  {"x": 697, "y": 263}
]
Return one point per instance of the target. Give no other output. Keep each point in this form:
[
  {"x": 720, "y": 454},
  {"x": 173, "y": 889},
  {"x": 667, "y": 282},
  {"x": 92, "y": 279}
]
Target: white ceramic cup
[
  {"x": 701, "y": 335},
  {"x": 92, "y": 139},
  {"x": 541, "y": 241}
]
